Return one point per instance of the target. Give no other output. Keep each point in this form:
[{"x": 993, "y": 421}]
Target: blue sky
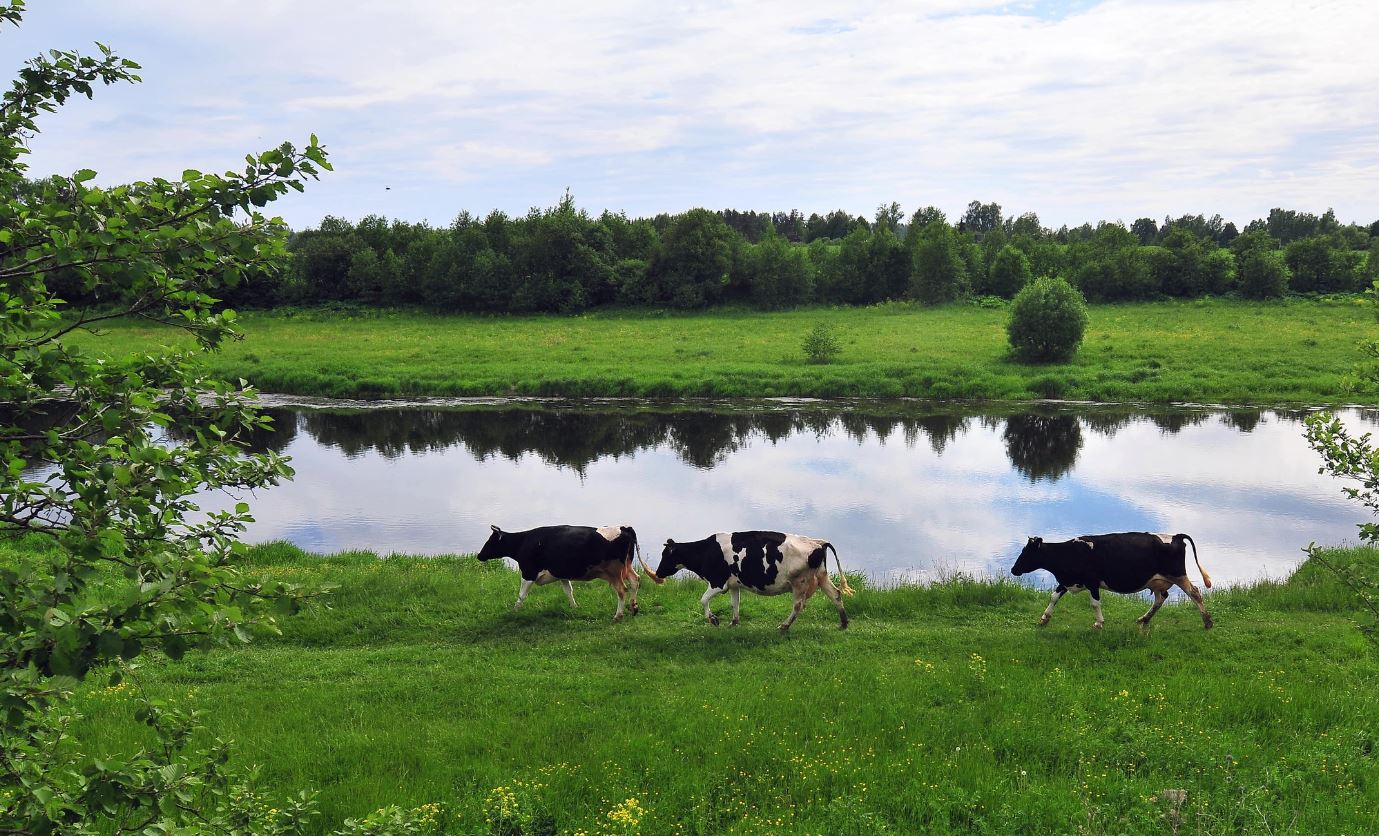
[{"x": 1076, "y": 110}]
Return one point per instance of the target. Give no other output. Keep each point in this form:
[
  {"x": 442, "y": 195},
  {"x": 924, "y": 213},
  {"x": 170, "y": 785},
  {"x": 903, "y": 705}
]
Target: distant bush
[
  {"x": 1263, "y": 273},
  {"x": 1010, "y": 271},
  {"x": 1047, "y": 320},
  {"x": 820, "y": 346}
]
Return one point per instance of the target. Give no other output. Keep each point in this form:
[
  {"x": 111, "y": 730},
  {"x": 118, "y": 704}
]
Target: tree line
[{"x": 562, "y": 259}]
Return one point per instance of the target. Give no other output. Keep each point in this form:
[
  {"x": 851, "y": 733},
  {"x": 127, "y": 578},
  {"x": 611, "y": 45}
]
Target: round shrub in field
[{"x": 1047, "y": 319}]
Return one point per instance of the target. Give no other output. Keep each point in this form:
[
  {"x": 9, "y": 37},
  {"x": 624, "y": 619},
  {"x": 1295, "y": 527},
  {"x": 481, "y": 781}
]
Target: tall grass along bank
[
  {"x": 1213, "y": 351},
  {"x": 942, "y": 708}
]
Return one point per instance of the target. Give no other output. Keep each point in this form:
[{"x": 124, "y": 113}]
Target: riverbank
[
  {"x": 942, "y": 708},
  {"x": 1204, "y": 351}
]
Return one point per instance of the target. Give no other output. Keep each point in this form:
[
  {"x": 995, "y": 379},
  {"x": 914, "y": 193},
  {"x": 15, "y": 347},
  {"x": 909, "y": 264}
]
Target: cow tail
[
  {"x": 638, "y": 547},
  {"x": 1206, "y": 579},
  {"x": 843, "y": 585}
]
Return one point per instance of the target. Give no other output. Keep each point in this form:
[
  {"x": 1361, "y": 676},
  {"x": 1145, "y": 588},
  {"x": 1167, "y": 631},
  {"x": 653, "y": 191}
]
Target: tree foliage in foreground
[
  {"x": 1355, "y": 460},
  {"x": 106, "y": 559}
]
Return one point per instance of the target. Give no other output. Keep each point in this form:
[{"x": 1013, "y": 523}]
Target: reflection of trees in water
[
  {"x": 1043, "y": 446},
  {"x": 1174, "y": 421},
  {"x": 1107, "y": 422},
  {"x": 1244, "y": 420},
  {"x": 941, "y": 428}
]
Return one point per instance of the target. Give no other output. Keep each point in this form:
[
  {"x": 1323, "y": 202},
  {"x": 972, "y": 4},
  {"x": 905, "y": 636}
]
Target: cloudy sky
[{"x": 1077, "y": 110}]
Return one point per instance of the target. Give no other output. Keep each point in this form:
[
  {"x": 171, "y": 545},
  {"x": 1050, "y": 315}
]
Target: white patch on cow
[
  {"x": 1166, "y": 538},
  {"x": 570, "y": 593},
  {"x": 544, "y": 577},
  {"x": 609, "y": 532},
  {"x": 704, "y": 602},
  {"x": 522, "y": 593},
  {"x": 1048, "y": 611},
  {"x": 1096, "y": 605}
]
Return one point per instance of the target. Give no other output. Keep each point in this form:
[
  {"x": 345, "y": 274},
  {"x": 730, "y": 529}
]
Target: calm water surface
[{"x": 906, "y": 491}]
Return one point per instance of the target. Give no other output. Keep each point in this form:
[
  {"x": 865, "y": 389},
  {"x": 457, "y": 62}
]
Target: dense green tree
[
  {"x": 691, "y": 267},
  {"x": 322, "y": 259},
  {"x": 1146, "y": 230},
  {"x": 1010, "y": 271},
  {"x": 888, "y": 216},
  {"x": 888, "y": 266},
  {"x": 102, "y": 461},
  {"x": 1263, "y": 273},
  {"x": 779, "y": 273},
  {"x": 1321, "y": 264},
  {"x": 1047, "y": 321},
  {"x": 1122, "y": 274},
  {"x": 848, "y": 272},
  {"x": 938, "y": 273},
  {"x": 980, "y": 218},
  {"x": 921, "y": 219},
  {"x": 1026, "y": 224}
]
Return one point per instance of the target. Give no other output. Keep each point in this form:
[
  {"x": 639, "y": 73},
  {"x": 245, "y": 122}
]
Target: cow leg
[
  {"x": 634, "y": 582},
  {"x": 704, "y": 602},
  {"x": 1185, "y": 583},
  {"x": 522, "y": 593},
  {"x": 802, "y": 593},
  {"x": 833, "y": 595},
  {"x": 1160, "y": 595},
  {"x": 1096, "y": 605},
  {"x": 620, "y": 590},
  {"x": 736, "y": 594},
  {"x": 570, "y": 593},
  {"x": 1048, "y": 611}
]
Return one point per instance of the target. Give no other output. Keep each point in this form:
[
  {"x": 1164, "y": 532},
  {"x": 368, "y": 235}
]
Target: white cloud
[{"x": 1113, "y": 111}]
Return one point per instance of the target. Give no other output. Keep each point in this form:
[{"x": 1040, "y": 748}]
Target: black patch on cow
[
  {"x": 568, "y": 552},
  {"x": 817, "y": 557},
  {"x": 1123, "y": 562},
  {"x": 702, "y": 557},
  {"x": 758, "y": 557}
]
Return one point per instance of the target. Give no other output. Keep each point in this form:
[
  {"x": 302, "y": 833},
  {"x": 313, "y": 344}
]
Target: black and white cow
[
  {"x": 1128, "y": 562},
  {"x": 568, "y": 553},
  {"x": 766, "y": 562}
]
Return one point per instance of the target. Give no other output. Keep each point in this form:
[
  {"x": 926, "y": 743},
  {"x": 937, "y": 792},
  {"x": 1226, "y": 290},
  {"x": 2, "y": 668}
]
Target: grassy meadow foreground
[
  {"x": 942, "y": 709},
  {"x": 1216, "y": 351}
]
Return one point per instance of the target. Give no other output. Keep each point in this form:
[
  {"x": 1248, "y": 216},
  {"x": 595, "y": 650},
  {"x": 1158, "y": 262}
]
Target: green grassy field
[
  {"x": 942, "y": 709},
  {"x": 1216, "y": 351}
]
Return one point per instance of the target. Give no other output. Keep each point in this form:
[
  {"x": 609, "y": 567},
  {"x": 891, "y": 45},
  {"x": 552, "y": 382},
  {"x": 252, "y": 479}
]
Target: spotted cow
[
  {"x": 1127, "y": 562},
  {"x": 568, "y": 553},
  {"x": 765, "y": 562}
]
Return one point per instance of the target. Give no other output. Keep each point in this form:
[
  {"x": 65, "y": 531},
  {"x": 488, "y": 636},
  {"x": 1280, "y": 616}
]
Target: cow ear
[
  {"x": 669, "y": 542},
  {"x": 496, "y": 529},
  {"x": 1034, "y": 541}
]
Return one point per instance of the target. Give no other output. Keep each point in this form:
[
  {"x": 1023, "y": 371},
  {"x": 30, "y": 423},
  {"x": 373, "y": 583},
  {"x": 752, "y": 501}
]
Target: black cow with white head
[
  {"x": 1127, "y": 562},
  {"x": 765, "y": 562},
  {"x": 565, "y": 553}
]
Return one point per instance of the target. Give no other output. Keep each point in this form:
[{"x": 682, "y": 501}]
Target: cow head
[
  {"x": 1029, "y": 559},
  {"x": 493, "y": 548},
  {"x": 670, "y": 564}
]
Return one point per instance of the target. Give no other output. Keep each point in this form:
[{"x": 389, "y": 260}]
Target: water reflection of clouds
[{"x": 900, "y": 503}]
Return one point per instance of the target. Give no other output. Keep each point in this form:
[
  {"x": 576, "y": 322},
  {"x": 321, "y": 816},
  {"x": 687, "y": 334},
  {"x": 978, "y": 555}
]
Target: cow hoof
[
  {"x": 617, "y": 618},
  {"x": 843, "y": 624},
  {"x": 713, "y": 619},
  {"x": 784, "y": 628},
  {"x": 635, "y": 609},
  {"x": 733, "y": 623},
  {"x": 1096, "y": 625},
  {"x": 1043, "y": 622},
  {"x": 1207, "y": 623}
]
